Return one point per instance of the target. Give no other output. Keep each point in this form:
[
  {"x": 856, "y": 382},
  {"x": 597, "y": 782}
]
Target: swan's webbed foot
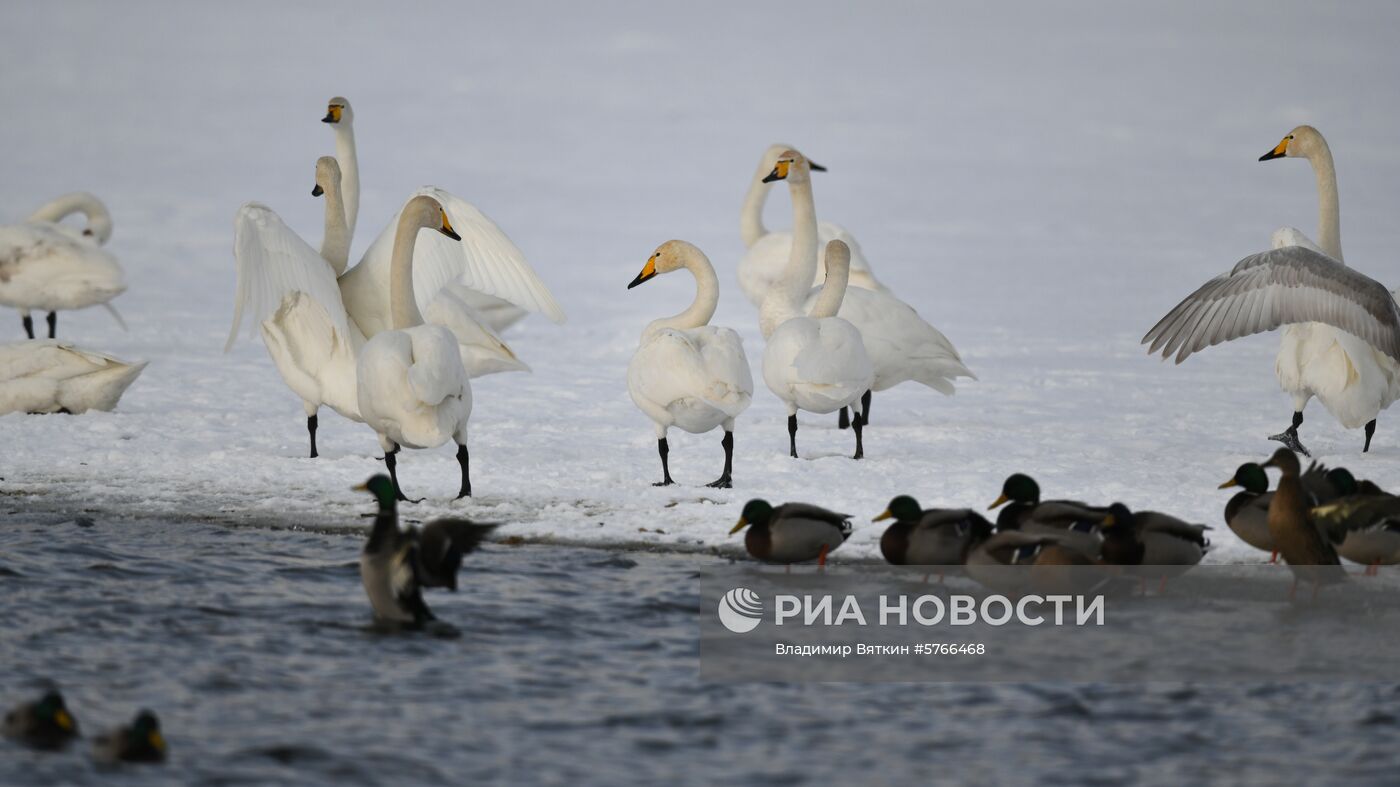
[
  {"x": 28, "y": 323},
  {"x": 1289, "y": 436},
  {"x": 667, "y": 482},
  {"x": 723, "y": 482}
]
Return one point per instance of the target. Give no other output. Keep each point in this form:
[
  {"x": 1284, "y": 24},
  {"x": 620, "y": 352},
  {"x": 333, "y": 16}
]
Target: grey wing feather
[
  {"x": 1279, "y": 287},
  {"x": 809, "y": 511}
]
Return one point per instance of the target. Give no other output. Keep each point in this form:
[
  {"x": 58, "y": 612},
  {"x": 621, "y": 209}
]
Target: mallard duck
[
  {"x": 792, "y": 532},
  {"x": 1247, "y": 513},
  {"x": 139, "y": 741},
  {"x": 42, "y": 724},
  {"x": 1157, "y": 545},
  {"x": 396, "y": 564},
  {"x": 1308, "y": 553},
  {"x": 1074, "y": 523},
  {"x": 1015, "y": 562},
  {"x": 1369, "y": 522},
  {"x": 936, "y": 537}
]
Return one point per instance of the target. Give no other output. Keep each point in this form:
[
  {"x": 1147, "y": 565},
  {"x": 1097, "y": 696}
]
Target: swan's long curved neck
[
  {"x": 751, "y": 217},
  {"x": 833, "y": 290},
  {"x": 335, "y": 244},
  {"x": 349, "y": 174},
  {"x": 785, "y": 298},
  {"x": 706, "y": 298},
  {"x": 403, "y": 307},
  {"x": 99, "y": 220},
  {"x": 1329, "y": 222}
]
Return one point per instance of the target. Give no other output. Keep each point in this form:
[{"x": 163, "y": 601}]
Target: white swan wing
[
  {"x": 705, "y": 363},
  {"x": 274, "y": 262},
  {"x": 482, "y": 350},
  {"x": 726, "y": 366},
  {"x": 435, "y": 369},
  {"x": 1282, "y": 286},
  {"x": 485, "y": 259}
]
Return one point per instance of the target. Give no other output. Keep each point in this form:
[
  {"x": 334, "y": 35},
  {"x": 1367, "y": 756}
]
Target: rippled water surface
[{"x": 561, "y": 666}]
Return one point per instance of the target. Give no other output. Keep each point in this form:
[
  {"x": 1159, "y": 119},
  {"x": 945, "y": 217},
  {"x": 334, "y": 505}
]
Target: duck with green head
[
  {"x": 1247, "y": 512},
  {"x": 139, "y": 741},
  {"x": 1075, "y": 524},
  {"x": 936, "y": 537},
  {"x": 792, "y": 532},
  {"x": 395, "y": 564},
  {"x": 42, "y": 724},
  {"x": 1159, "y": 546}
]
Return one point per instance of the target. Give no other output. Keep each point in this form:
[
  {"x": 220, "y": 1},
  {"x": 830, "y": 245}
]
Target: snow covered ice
[{"x": 1040, "y": 183}]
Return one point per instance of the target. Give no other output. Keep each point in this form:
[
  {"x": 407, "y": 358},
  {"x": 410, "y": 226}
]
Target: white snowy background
[{"x": 1041, "y": 182}]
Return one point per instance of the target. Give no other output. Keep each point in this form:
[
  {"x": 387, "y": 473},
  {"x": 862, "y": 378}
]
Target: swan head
[
  {"x": 427, "y": 213},
  {"x": 338, "y": 112},
  {"x": 838, "y": 257},
  {"x": 1301, "y": 142},
  {"x": 775, "y": 152},
  {"x": 669, "y": 256},
  {"x": 790, "y": 166},
  {"x": 327, "y": 176}
]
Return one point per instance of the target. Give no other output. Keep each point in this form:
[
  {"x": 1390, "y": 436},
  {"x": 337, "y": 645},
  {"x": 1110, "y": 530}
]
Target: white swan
[
  {"x": 50, "y": 376},
  {"x": 901, "y": 345},
  {"x": 414, "y": 391},
  {"x": 291, "y": 293},
  {"x": 1351, "y": 379},
  {"x": 815, "y": 361},
  {"x": 48, "y": 266},
  {"x": 297, "y": 301},
  {"x": 687, "y": 373},
  {"x": 766, "y": 257},
  {"x": 498, "y": 300},
  {"x": 1341, "y": 330}
]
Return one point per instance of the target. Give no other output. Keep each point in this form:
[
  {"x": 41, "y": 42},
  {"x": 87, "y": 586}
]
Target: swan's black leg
[
  {"x": 28, "y": 325},
  {"x": 1370, "y": 430},
  {"x": 858, "y": 424},
  {"x": 53, "y": 324},
  {"x": 865, "y": 406},
  {"x": 724, "y": 481},
  {"x": 664, "y": 448},
  {"x": 792, "y": 435},
  {"x": 311, "y": 424},
  {"x": 1289, "y": 436},
  {"x": 843, "y": 421},
  {"x": 391, "y": 462},
  {"x": 463, "y": 461}
]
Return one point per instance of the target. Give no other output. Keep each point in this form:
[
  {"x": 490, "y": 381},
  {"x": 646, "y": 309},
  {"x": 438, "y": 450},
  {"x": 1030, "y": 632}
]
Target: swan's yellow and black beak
[
  {"x": 883, "y": 516},
  {"x": 1001, "y": 500},
  {"x": 333, "y": 113},
  {"x": 317, "y": 191},
  {"x": 743, "y": 523},
  {"x": 1280, "y": 150},
  {"x": 446, "y": 228},
  {"x": 814, "y": 166},
  {"x": 648, "y": 271},
  {"x": 1228, "y": 484},
  {"x": 780, "y": 171}
]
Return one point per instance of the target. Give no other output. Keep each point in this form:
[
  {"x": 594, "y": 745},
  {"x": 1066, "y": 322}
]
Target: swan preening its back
[
  {"x": 49, "y": 266},
  {"x": 687, "y": 373},
  {"x": 1341, "y": 329}
]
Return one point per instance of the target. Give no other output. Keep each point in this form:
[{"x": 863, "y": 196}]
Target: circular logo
[{"x": 740, "y": 610}]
